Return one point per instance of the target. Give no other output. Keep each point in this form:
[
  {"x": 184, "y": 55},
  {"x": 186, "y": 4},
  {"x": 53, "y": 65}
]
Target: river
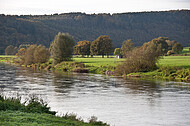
[{"x": 117, "y": 101}]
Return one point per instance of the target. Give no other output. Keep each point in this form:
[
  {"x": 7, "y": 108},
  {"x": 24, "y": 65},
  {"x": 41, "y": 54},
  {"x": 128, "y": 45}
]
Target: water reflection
[{"x": 113, "y": 100}]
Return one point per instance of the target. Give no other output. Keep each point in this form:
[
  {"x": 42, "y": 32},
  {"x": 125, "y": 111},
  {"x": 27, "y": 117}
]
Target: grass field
[
  {"x": 18, "y": 118},
  {"x": 12, "y": 56},
  {"x": 185, "y": 50},
  {"x": 98, "y": 61},
  {"x": 177, "y": 61}
]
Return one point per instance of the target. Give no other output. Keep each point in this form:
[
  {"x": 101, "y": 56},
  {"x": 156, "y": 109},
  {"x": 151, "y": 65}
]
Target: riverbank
[
  {"x": 95, "y": 65},
  {"x": 13, "y": 112},
  {"x": 169, "y": 67}
]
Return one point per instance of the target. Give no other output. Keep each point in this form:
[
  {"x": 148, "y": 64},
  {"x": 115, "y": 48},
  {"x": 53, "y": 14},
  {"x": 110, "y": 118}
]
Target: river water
[{"x": 117, "y": 101}]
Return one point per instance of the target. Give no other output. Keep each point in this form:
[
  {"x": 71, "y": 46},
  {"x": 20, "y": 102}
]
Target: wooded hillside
[{"x": 140, "y": 27}]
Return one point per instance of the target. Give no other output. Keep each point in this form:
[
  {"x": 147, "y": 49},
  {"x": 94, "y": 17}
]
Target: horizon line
[{"x": 77, "y": 12}]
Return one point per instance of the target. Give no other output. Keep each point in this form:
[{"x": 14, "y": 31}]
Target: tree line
[
  {"x": 140, "y": 27},
  {"x": 168, "y": 47},
  {"x": 63, "y": 47},
  {"x": 138, "y": 59}
]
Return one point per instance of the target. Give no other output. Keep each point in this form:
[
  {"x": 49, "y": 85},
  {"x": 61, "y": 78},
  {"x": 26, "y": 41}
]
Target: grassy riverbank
[
  {"x": 99, "y": 65},
  {"x": 169, "y": 67},
  {"x": 18, "y": 118},
  {"x": 177, "y": 68},
  {"x": 36, "y": 113}
]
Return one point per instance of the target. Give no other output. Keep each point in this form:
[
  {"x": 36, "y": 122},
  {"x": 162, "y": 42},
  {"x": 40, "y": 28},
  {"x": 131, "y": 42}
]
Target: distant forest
[{"x": 139, "y": 27}]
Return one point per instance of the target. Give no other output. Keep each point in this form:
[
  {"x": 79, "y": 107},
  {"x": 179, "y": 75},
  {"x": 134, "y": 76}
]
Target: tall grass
[
  {"x": 35, "y": 112},
  {"x": 33, "y": 104}
]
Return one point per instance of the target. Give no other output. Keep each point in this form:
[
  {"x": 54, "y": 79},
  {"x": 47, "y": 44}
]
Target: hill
[{"x": 140, "y": 27}]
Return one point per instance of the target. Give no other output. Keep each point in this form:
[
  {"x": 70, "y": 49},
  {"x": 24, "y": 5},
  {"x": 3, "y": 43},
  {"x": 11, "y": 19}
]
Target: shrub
[
  {"x": 34, "y": 105},
  {"x": 33, "y": 54},
  {"x": 41, "y": 54},
  {"x": 140, "y": 60},
  {"x": 11, "y": 50},
  {"x": 93, "y": 121},
  {"x": 177, "y": 48},
  {"x": 170, "y": 52},
  {"x": 29, "y": 55},
  {"x": 38, "y": 106}
]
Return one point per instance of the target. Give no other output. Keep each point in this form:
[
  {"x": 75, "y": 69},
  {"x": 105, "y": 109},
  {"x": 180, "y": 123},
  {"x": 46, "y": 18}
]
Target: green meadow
[
  {"x": 19, "y": 118},
  {"x": 98, "y": 61},
  {"x": 175, "y": 61},
  {"x": 185, "y": 50}
]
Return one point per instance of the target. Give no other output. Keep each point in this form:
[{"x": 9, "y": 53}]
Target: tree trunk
[
  {"x": 107, "y": 56},
  {"x": 102, "y": 56}
]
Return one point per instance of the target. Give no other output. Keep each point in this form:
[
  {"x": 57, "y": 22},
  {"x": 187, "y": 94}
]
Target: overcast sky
[{"x": 37, "y": 7}]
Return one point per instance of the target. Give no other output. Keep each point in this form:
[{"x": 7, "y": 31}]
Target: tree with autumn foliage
[
  {"x": 11, "y": 50},
  {"x": 102, "y": 46},
  {"x": 21, "y": 55},
  {"x": 160, "y": 42},
  {"x": 82, "y": 48}
]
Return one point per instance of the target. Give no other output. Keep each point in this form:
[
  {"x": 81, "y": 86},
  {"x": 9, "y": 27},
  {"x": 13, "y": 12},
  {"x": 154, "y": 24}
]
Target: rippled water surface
[{"x": 116, "y": 101}]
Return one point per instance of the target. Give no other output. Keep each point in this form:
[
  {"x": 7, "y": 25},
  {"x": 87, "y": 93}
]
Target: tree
[
  {"x": 177, "y": 48},
  {"x": 102, "y": 46},
  {"x": 24, "y": 46},
  {"x": 33, "y": 54},
  {"x": 29, "y": 55},
  {"x": 41, "y": 54},
  {"x": 82, "y": 48},
  {"x": 159, "y": 42},
  {"x": 117, "y": 51},
  {"x": 11, "y": 50},
  {"x": 127, "y": 46},
  {"x": 94, "y": 48},
  {"x": 62, "y": 47},
  {"x": 170, "y": 44},
  {"x": 21, "y": 55}
]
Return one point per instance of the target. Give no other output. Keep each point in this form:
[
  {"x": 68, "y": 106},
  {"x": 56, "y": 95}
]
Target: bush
[
  {"x": 170, "y": 52},
  {"x": 34, "y": 105},
  {"x": 41, "y": 54},
  {"x": 140, "y": 60},
  {"x": 11, "y": 50},
  {"x": 33, "y": 54},
  {"x": 29, "y": 55},
  {"x": 38, "y": 106},
  {"x": 10, "y": 104},
  {"x": 174, "y": 73}
]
